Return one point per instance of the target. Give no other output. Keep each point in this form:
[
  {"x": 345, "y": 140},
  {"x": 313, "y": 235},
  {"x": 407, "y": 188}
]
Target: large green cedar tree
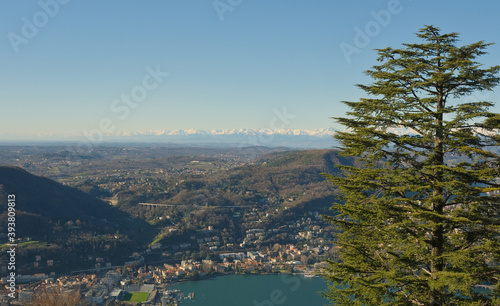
[{"x": 418, "y": 214}]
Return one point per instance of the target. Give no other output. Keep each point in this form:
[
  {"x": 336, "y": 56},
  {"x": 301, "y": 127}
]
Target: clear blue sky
[{"x": 227, "y": 69}]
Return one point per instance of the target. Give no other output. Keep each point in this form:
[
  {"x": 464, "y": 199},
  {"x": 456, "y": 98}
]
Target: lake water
[{"x": 254, "y": 290}]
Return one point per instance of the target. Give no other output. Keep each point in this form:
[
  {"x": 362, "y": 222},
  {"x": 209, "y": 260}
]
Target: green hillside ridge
[
  {"x": 68, "y": 223},
  {"x": 274, "y": 176},
  {"x": 281, "y": 186}
]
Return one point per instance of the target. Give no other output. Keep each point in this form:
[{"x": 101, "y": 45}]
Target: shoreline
[{"x": 213, "y": 276}]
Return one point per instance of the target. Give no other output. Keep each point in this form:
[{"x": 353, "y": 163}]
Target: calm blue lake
[{"x": 255, "y": 290}]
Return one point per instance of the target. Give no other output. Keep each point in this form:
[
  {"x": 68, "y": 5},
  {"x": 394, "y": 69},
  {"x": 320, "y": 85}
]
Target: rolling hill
[
  {"x": 276, "y": 188},
  {"x": 63, "y": 223}
]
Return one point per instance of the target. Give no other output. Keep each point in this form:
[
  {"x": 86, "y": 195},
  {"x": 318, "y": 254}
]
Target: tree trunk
[{"x": 437, "y": 240}]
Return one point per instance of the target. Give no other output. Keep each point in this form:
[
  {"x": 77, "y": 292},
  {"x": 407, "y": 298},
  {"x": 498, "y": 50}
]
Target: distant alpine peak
[{"x": 234, "y": 132}]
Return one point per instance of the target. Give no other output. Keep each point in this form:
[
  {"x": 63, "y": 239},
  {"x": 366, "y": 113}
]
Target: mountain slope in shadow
[{"x": 67, "y": 224}]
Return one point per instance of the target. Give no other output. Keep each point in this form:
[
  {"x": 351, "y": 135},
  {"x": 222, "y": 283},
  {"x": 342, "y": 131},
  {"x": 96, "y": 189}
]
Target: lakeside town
[
  {"x": 138, "y": 282},
  {"x": 147, "y": 276}
]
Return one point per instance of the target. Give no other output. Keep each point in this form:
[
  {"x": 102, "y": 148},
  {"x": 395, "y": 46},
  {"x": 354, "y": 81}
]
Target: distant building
[
  {"x": 262, "y": 255},
  {"x": 113, "y": 274},
  {"x": 220, "y": 269},
  {"x": 179, "y": 273},
  {"x": 108, "y": 282},
  {"x": 96, "y": 294},
  {"x": 116, "y": 294},
  {"x": 26, "y": 296},
  {"x": 239, "y": 255}
]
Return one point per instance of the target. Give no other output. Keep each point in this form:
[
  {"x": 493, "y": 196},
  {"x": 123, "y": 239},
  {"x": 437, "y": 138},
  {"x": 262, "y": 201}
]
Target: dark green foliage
[
  {"x": 64, "y": 219},
  {"x": 419, "y": 220}
]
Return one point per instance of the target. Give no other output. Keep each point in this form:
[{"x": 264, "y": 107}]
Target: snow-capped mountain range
[
  {"x": 292, "y": 138},
  {"x": 231, "y": 132},
  {"x": 295, "y": 138}
]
